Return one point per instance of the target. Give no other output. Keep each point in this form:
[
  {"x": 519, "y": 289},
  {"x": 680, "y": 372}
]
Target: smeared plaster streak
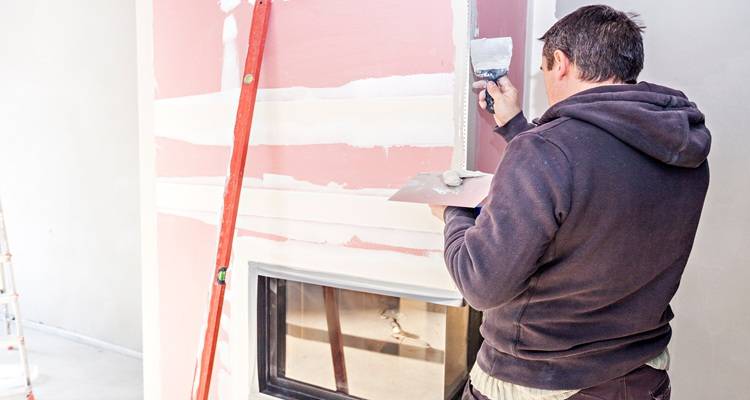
[
  {"x": 358, "y": 243},
  {"x": 363, "y": 211},
  {"x": 338, "y": 164},
  {"x": 279, "y": 182},
  {"x": 283, "y": 182},
  {"x": 318, "y": 232},
  {"x": 228, "y": 5},
  {"x": 261, "y": 235},
  {"x": 414, "y": 85},
  {"x": 342, "y": 234},
  {"x": 361, "y": 122},
  {"x": 222, "y": 353},
  {"x": 354, "y": 242},
  {"x": 230, "y": 67}
]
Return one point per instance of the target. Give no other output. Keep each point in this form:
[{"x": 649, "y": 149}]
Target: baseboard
[{"x": 83, "y": 339}]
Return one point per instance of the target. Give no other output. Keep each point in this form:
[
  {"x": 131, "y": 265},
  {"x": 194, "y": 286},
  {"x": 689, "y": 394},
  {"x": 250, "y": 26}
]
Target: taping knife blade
[{"x": 490, "y": 58}]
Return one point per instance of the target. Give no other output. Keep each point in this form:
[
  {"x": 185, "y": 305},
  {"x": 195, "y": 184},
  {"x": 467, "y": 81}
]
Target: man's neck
[{"x": 580, "y": 86}]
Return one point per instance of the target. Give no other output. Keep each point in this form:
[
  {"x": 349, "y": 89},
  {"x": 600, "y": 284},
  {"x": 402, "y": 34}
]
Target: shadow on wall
[
  {"x": 538, "y": 98},
  {"x": 565, "y": 7},
  {"x": 709, "y": 348}
]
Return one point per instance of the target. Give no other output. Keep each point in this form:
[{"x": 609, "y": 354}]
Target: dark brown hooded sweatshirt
[{"x": 582, "y": 242}]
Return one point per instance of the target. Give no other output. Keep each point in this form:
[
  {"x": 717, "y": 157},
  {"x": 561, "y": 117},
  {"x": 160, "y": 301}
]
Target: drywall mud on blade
[{"x": 490, "y": 58}]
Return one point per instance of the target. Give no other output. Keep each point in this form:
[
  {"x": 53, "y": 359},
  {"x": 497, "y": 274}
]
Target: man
[{"x": 592, "y": 213}]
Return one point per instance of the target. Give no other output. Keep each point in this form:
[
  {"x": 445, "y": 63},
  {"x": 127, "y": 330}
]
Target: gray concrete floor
[{"x": 67, "y": 370}]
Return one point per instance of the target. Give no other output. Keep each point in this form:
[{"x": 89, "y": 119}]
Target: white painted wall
[
  {"x": 700, "y": 47},
  {"x": 69, "y": 163}
]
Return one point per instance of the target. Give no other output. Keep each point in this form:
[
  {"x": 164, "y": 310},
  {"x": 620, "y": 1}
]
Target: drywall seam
[
  {"x": 279, "y": 182},
  {"x": 230, "y": 67},
  {"x": 317, "y": 232},
  {"x": 334, "y": 164},
  {"x": 415, "y": 85},
  {"x": 360, "y": 122},
  {"x": 304, "y": 206}
]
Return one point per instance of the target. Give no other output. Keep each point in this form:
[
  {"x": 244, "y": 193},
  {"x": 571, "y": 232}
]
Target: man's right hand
[{"x": 507, "y": 104}]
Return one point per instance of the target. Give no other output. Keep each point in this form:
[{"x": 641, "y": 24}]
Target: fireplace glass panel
[{"x": 361, "y": 345}]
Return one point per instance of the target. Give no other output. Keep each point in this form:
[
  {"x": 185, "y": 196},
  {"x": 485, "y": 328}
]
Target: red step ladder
[{"x": 10, "y": 314}]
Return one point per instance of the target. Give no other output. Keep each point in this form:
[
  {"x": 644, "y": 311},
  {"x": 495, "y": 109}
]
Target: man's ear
[{"x": 562, "y": 66}]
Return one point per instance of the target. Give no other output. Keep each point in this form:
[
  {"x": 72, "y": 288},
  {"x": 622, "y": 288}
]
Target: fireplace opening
[{"x": 319, "y": 342}]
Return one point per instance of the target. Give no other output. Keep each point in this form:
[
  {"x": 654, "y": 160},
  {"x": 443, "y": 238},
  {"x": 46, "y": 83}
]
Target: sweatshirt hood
[{"x": 656, "y": 120}]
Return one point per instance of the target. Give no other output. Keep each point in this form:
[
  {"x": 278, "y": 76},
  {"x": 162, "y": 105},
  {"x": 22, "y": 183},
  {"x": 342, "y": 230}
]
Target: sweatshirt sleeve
[
  {"x": 492, "y": 257},
  {"x": 514, "y": 127}
]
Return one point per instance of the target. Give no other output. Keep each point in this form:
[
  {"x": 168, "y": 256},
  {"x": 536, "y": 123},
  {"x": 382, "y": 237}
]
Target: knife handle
[{"x": 490, "y": 102}]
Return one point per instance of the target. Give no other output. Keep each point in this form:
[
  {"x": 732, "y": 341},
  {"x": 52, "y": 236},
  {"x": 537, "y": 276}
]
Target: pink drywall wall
[
  {"x": 311, "y": 44},
  {"x": 500, "y": 18},
  {"x": 347, "y": 166},
  {"x": 186, "y": 253}
]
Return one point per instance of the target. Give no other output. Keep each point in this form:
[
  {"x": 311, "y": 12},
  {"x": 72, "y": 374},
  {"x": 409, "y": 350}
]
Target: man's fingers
[
  {"x": 505, "y": 84},
  {"x": 482, "y": 98},
  {"x": 493, "y": 89},
  {"x": 479, "y": 85}
]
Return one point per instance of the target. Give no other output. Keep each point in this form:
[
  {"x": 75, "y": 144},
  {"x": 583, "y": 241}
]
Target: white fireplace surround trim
[
  {"x": 361, "y": 284},
  {"x": 243, "y": 323}
]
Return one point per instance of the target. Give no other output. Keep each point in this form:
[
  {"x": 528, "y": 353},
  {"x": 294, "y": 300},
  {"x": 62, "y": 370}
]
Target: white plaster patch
[
  {"x": 353, "y": 210},
  {"x": 230, "y": 69},
  {"x": 396, "y": 121},
  {"x": 373, "y": 112},
  {"x": 228, "y": 5},
  {"x": 325, "y": 233}
]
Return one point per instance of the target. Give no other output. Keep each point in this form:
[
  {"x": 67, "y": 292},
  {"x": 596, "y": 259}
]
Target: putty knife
[{"x": 490, "y": 58}]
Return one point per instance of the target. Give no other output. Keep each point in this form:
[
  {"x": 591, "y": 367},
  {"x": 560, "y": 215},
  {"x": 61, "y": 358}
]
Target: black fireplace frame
[{"x": 271, "y": 334}]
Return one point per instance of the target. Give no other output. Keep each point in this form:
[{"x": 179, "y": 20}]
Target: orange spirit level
[{"x": 233, "y": 187}]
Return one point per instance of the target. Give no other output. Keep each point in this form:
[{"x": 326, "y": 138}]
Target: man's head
[{"x": 593, "y": 46}]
